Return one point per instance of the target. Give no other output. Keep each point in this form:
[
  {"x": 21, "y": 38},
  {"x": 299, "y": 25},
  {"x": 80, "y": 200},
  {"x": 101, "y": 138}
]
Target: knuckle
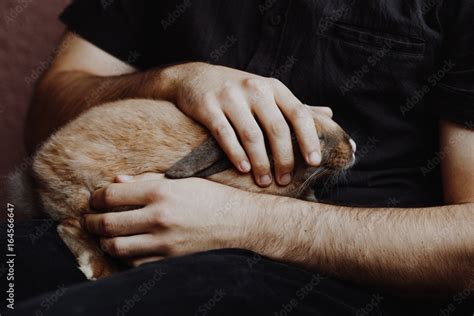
[
  {"x": 261, "y": 167},
  {"x": 299, "y": 113},
  {"x": 275, "y": 82},
  {"x": 208, "y": 99},
  {"x": 284, "y": 164},
  {"x": 154, "y": 194},
  {"x": 252, "y": 135},
  {"x": 228, "y": 92},
  {"x": 107, "y": 226},
  {"x": 110, "y": 194},
  {"x": 227, "y": 84},
  {"x": 256, "y": 84},
  {"x": 279, "y": 128},
  {"x": 309, "y": 128},
  {"x": 205, "y": 108},
  {"x": 116, "y": 248},
  {"x": 220, "y": 130},
  {"x": 164, "y": 218}
]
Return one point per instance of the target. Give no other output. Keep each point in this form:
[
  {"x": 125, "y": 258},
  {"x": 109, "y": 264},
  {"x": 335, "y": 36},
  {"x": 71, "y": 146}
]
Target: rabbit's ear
[{"x": 203, "y": 161}]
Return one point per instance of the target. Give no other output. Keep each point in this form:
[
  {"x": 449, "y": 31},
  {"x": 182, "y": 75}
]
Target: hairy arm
[
  {"x": 424, "y": 251},
  {"x": 415, "y": 250},
  {"x": 228, "y": 102},
  {"x": 83, "y": 76},
  {"x": 412, "y": 251}
]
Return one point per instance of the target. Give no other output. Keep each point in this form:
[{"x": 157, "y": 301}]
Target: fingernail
[
  {"x": 265, "y": 180},
  {"x": 314, "y": 158},
  {"x": 245, "y": 166},
  {"x": 285, "y": 179},
  {"x": 125, "y": 178}
]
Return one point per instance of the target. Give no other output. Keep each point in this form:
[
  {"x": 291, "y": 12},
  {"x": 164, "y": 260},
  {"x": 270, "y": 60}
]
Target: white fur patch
[{"x": 84, "y": 261}]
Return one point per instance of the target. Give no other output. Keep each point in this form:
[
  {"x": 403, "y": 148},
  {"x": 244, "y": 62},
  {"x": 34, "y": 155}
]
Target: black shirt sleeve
[
  {"x": 114, "y": 26},
  {"x": 453, "y": 95}
]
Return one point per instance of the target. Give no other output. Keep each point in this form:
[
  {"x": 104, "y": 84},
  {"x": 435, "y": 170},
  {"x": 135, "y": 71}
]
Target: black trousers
[{"x": 220, "y": 282}]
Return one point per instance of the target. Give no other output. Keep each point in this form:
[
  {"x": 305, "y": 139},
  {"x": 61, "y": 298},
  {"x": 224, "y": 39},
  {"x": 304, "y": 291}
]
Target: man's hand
[
  {"x": 234, "y": 104},
  {"x": 419, "y": 251},
  {"x": 237, "y": 107},
  {"x": 176, "y": 217}
]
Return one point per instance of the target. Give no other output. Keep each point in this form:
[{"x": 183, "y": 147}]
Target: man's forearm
[
  {"x": 419, "y": 250},
  {"x": 62, "y": 96}
]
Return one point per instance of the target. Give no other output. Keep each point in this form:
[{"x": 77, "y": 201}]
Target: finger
[
  {"x": 279, "y": 137},
  {"x": 123, "y": 178},
  {"x": 141, "y": 177},
  {"x": 321, "y": 110},
  {"x": 122, "y": 194},
  {"x": 139, "y": 261},
  {"x": 302, "y": 122},
  {"x": 132, "y": 246},
  {"x": 222, "y": 131},
  {"x": 252, "y": 139},
  {"x": 119, "y": 223}
]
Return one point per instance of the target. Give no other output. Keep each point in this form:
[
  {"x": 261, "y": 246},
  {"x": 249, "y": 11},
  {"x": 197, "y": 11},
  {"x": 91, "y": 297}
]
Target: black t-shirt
[{"x": 388, "y": 69}]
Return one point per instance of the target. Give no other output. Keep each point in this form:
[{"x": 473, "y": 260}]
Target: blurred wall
[{"x": 29, "y": 31}]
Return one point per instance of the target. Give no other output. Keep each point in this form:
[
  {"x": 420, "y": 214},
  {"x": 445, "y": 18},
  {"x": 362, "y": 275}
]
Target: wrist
[
  {"x": 276, "y": 226},
  {"x": 162, "y": 83},
  {"x": 166, "y": 80},
  {"x": 257, "y": 223},
  {"x": 239, "y": 217}
]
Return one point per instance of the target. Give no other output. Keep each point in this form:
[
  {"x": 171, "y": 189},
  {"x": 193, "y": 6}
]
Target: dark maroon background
[{"x": 29, "y": 31}]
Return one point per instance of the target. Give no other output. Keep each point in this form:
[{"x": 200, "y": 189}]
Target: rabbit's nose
[{"x": 353, "y": 145}]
